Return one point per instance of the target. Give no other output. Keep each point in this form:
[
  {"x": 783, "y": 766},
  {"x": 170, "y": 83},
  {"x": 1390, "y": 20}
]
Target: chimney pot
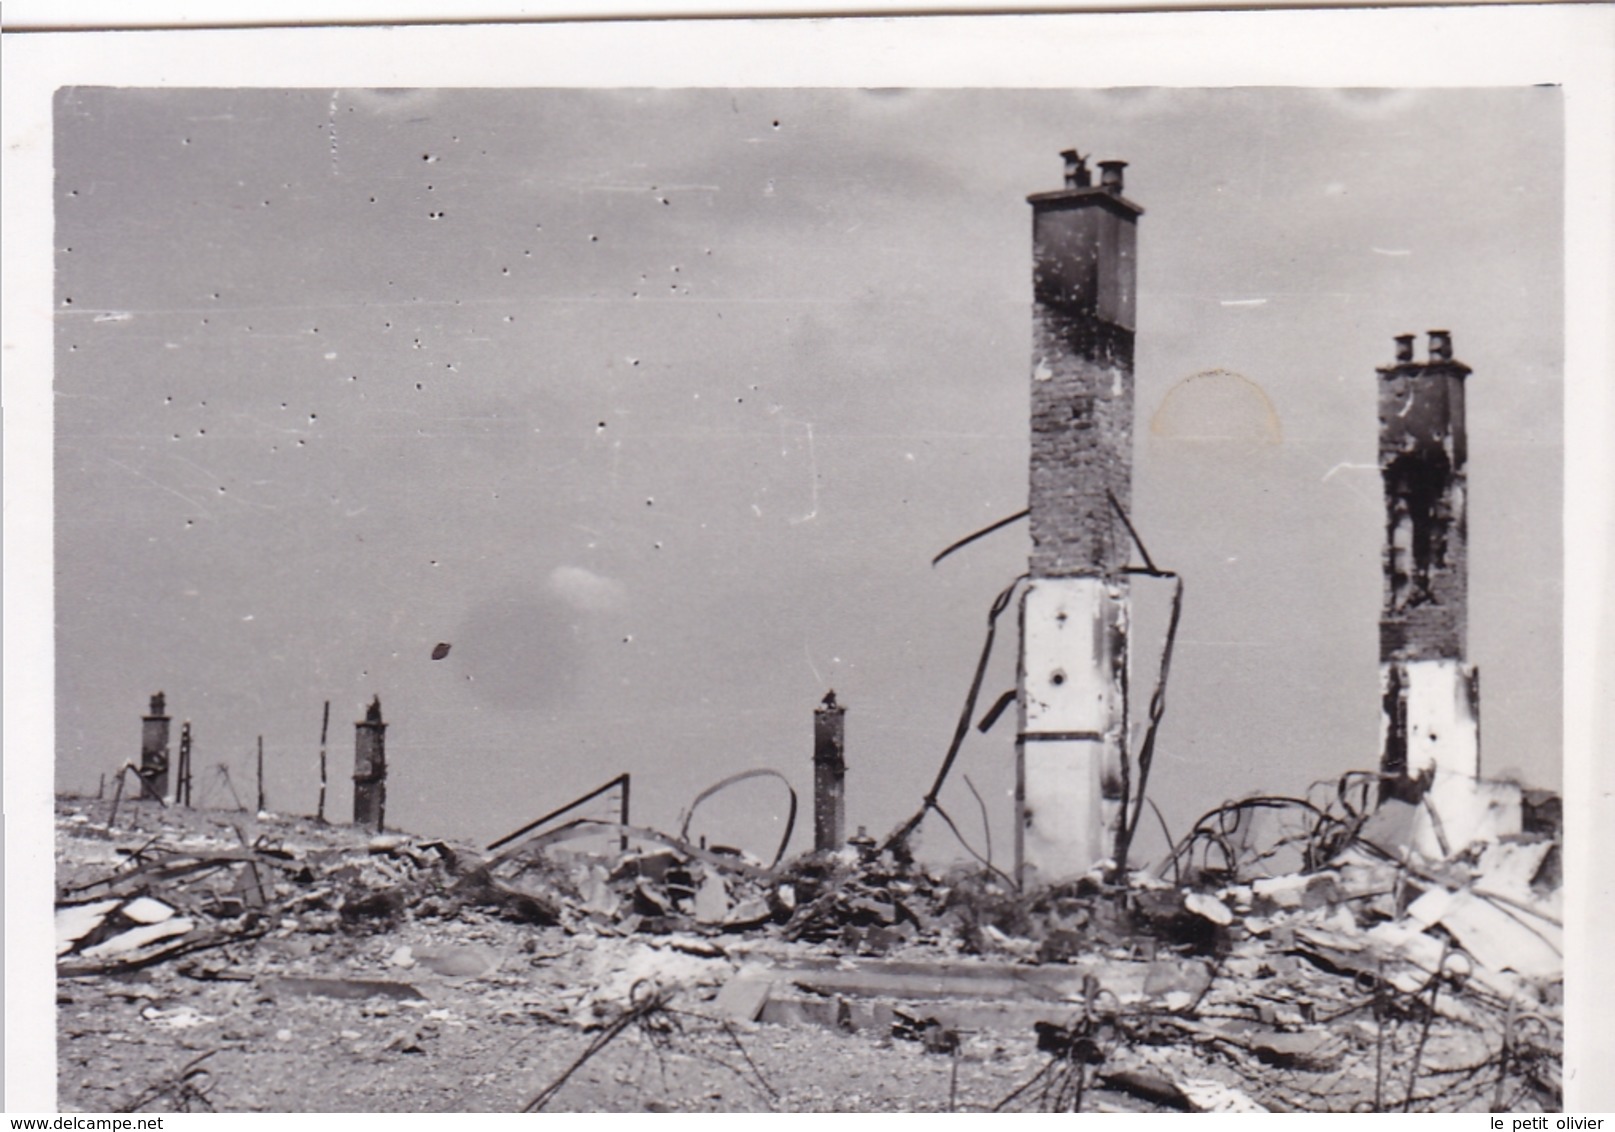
[
  {"x": 1404, "y": 347},
  {"x": 1440, "y": 346},
  {"x": 1110, "y": 176}
]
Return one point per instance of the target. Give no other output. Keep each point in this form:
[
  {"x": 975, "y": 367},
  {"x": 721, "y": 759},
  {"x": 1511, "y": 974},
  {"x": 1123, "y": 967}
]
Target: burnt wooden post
[
  {"x": 260, "y": 808},
  {"x": 325, "y": 724},
  {"x": 622, "y": 842},
  {"x": 154, "y": 750},
  {"x": 117, "y": 796},
  {"x": 370, "y": 768},
  {"x": 829, "y": 774},
  {"x": 182, "y": 789}
]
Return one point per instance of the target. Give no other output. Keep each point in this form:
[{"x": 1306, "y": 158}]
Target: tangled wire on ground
[
  {"x": 1064, "y": 1079},
  {"x": 1226, "y": 842},
  {"x": 650, "y": 1013},
  {"x": 186, "y": 1090}
]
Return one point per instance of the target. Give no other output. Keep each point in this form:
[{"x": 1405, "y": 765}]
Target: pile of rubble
[{"x": 1367, "y": 977}]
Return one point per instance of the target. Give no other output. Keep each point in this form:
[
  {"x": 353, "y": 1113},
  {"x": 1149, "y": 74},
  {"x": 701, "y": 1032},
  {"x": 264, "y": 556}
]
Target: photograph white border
[{"x": 1572, "y": 46}]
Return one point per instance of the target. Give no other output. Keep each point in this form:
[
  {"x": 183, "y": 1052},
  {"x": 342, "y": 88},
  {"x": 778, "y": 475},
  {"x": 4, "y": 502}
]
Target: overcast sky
[{"x": 655, "y": 406}]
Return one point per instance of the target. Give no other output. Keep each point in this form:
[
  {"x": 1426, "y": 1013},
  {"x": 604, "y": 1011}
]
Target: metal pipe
[{"x": 620, "y": 780}]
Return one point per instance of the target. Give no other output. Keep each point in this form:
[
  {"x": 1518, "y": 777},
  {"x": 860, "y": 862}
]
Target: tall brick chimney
[
  {"x": 370, "y": 769},
  {"x": 154, "y": 750},
  {"x": 1074, "y": 615},
  {"x": 1430, "y": 721},
  {"x": 829, "y": 775}
]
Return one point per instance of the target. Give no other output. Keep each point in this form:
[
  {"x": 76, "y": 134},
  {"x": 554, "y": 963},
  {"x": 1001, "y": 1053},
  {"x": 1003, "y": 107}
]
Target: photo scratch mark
[
  {"x": 330, "y": 128},
  {"x": 808, "y": 652},
  {"x": 212, "y": 477},
  {"x": 1347, "y": 465},
  {"x": 206, "y": 514},
  {"x": 1355, "y": 484},
  {"x": 813, "y": 468}
]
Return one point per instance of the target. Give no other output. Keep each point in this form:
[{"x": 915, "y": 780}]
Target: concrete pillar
[
  {"x": 1430, "y": 703},
  {"x": 370, "y": 768},
  {"x": 829, "y": 775},
  {"x": 1074, "y": 613},
  {"x": 154, "y": 750}
]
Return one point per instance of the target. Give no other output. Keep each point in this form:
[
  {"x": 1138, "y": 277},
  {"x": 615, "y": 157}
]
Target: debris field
[{"x": 1290, "y": 954}]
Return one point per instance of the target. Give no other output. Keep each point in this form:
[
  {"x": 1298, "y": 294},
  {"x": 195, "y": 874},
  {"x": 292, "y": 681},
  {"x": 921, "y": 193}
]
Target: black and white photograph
[{"x": 809, "y": 595}]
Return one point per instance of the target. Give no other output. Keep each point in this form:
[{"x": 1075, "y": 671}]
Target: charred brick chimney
[
  {"x": 1430, "y": 712},
  {"x": 1072, "y": 698},
  {"x": 829, "y": 774},
  {"x": 370, "y": 769},
  {"x": 154, "y": 750}
]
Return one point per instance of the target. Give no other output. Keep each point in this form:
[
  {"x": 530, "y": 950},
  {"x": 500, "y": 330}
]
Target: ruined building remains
[
  {"x": 370, "y": 768},
  {"x": 829, "y": 774},
  {"x": 154, "y": 750},
  {"x": 1430, "y": 695},
  {"x": 1074, "y": 613}
]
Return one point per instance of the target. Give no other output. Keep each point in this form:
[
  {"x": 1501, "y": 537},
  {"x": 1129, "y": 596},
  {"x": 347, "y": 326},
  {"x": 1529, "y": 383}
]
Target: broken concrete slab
[
  {"x": 146, "y": 910},
  {"x": 1295, "y": 890},
  {"x": 1316, "y": 1049},
  {"x": 1208, "y": 907},
  {"x": 1177, "y": 983},
  {"x": 1391, "y": 827},
  {"x": 76, "y": 921},
  {"x": 598, "y": 895},
  {"x": 1151, "y": 1087},
  {"x": 1206, "y": 1095},
  {"x": 1459, "y": 810},
  {"x": 1404, "y": 958},
  {"x": 743, "y": 997},
  {"x": 463, "y": 961},
  {"x": 908, "y": 979},
  {"x": 343, "y": 988},
  {"x": 786, "y": 1007},
  {"x": 750, "y": 912},
  {"x": 136, "y": 943},
  {"x": 1499, "y": 938},
  {"x": 1513, "y": 869},
  {"x": 712, "y": 904},
  {"x": 623, "y": 976}
]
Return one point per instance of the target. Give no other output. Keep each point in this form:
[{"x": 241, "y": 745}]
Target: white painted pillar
[
  {"x": 1437, "y": 703},
  {"x": 1443, "y": 730},
  {"x": 1073, "y": 725}
]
